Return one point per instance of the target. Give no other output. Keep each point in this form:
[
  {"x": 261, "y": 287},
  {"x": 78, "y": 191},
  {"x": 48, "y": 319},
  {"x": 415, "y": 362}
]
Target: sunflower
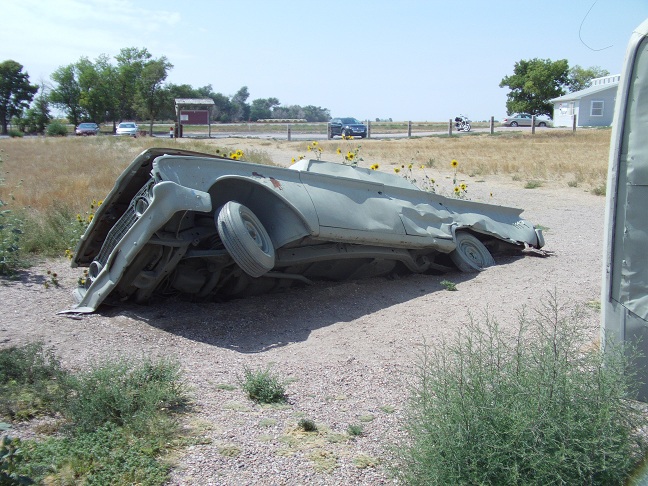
[
  {"x": 457, "y": 190},
  {"x": 463, "y": 187},
  {"x": 454, "y": 163},
  {"x": 374, "y": 167},
  {"x": 397, "y": 169}
]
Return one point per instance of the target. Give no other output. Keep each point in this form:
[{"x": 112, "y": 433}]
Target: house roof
[{"x": 576, "y": 95}]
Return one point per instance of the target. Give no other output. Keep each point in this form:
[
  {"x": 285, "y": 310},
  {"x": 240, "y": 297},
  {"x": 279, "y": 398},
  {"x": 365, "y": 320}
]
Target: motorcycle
[{"x": 462, "y": 123}]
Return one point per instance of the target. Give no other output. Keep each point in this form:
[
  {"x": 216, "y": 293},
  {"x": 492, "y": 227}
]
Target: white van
[{"x": 624, "y": 296}]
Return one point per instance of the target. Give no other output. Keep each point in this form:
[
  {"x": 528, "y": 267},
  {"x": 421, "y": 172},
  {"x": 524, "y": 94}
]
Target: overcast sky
[{"x": 407, "y": 60}]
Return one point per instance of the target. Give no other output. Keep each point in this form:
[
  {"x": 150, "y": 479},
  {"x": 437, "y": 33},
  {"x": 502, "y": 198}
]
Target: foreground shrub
[
  {"x": 108, "y": 455},
  {"x": 124, "y": 394},
  {"x": 31, "y": 381},
  {"x": 263, "y": 386},
  {"x": 118, "y": 420},
  {"x": 534, "y": 408}
]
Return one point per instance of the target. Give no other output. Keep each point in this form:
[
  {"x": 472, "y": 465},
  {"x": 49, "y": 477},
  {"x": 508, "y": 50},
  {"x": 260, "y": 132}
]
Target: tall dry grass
[{"x": 44, "y": 172}]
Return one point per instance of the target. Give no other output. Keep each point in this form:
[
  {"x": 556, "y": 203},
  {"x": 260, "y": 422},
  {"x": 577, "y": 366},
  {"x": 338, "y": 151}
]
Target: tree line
[
  {"x": 130, "y": 87},
  {"x": 134, "y": 87}
]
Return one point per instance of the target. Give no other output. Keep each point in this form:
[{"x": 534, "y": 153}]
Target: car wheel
[
  {"x": 514, "y": 124},
  {"x": 470, "y": 255},
  {"x": 245, "y": 238},
  {"x": 467, "y": 127},
  {"x": 542, "y": 124}
]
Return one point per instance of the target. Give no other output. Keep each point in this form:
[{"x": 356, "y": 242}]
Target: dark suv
[{"x": 347, "y": 127}]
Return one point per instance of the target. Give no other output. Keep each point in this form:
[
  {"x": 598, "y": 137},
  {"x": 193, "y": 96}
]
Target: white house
[{"x": 593, "y": 106}]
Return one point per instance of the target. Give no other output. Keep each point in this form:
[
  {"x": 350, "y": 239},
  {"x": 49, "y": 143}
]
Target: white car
[{"x": 127, "y": 128}]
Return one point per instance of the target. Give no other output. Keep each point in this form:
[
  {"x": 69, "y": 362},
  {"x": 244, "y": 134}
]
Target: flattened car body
[{"x": 215, "y": 228}]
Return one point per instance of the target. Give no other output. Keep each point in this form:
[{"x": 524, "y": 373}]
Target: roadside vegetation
[
  {"x": 537, "y": 406},
  {"x": 113, "y": 424}
]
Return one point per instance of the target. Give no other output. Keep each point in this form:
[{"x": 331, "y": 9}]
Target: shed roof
[{"x": 194, "y": 101}]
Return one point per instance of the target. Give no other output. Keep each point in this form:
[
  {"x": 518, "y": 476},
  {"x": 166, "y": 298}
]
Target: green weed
[
  {"x": 263, "y": 386},
  {"x": 531, "y": 407}
]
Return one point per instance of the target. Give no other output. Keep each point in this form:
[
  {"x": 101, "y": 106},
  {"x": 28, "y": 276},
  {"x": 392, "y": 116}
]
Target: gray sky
[{"x": 407, "y": 60}]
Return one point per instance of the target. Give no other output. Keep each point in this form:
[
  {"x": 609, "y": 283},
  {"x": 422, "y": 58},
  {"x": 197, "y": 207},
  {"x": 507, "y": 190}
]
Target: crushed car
[{"x": 213, "y": 228}]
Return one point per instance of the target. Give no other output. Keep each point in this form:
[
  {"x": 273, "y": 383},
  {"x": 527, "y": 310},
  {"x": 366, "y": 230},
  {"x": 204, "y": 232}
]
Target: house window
[{"x": 597, "y": 108}]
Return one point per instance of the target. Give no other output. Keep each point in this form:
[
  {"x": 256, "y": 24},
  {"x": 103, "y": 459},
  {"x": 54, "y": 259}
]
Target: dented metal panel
[{"x": 212, "y": 227}]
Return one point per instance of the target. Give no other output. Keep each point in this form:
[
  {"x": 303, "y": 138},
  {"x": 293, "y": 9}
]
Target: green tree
[
  {"x": 581, "y": 78},
  {"x": 316, "y": 114},
  {"x": 533, "y": 83},
  {"x": 151, "y": 95},
  {"x": 99, "y": 96},
  {"x": 130, "y": 65},
  {"x": 37, "y": 117},
  {"x": 240, "y": 108},
  {"x": 66, "y": 94},
  {"x": 262, "y": 108},
  {"x": 15, "y": 92}
]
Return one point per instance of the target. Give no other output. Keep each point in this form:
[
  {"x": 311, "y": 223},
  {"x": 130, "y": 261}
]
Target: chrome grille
[{"x": 121, "y": 227}]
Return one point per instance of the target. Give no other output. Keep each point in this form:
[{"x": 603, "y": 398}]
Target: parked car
[
  {"x": 127, "y": 128},
  {"x": 87, "y": 129},
  {"x": 524, "y": 120},
  {"x": 347, "y": 127},
  {"x": 179, "y": 222}
]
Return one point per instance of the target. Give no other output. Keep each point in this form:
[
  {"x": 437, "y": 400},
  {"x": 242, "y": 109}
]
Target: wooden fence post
[
  {"x": 574, "y": 123},
  {"x": 409, "y": 129},
  {"x": 492, "y": 125},
  {"x": 368, "y": 128},
  {"x": 532, "y": 124},
  {"x": 289, "y": 133},
  {"x": 450, "y": 127}
]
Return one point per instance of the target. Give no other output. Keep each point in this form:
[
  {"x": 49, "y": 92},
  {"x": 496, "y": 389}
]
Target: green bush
[
  {"x": 534, "y": 408},
  {"x": 31, "y": 381},
  {"x": 263, "y": 386},
  {"x": 56, "y": 129},
  {"x": 108, "y": 455},
  {"x": 124, "y": 394},
  {"x": 11, "y": 234},
  {"x": 13, "y": 133}
]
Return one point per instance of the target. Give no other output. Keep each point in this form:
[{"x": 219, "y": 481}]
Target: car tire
[
  {"x": 470, "y": 255},
  {"x": 514, "y": 124},
  {"x": 542, "y": 124},
  {"x": 245, "y": 238}
]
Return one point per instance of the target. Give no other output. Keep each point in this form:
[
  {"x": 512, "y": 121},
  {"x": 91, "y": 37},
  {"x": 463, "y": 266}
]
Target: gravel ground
[{"x": 348, "y": 349}]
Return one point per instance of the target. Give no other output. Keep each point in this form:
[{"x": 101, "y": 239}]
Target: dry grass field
[{"x": 40, "y": 172}]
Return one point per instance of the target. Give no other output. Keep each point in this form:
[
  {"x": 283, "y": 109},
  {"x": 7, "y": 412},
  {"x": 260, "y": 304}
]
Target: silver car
[
  {"x": 127, "y": 128},
  {"x": 524, "y": 120},
  {"x": 180, "y": 222}
]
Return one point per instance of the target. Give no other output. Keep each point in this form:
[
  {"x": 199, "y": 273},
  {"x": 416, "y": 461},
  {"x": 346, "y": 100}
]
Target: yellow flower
[
  {"x": 410, "y": 166},
  {"x": 90, "y": 216},
  {"x": 375, "y": 167},
  {"x": 457, "y": 190},
  {"x": 314, "y": 144},
  {"x": 309, "y": 148},
  {"x": 463, "y": 187},
  {"x": 239, "y": 153},
  {"x": 454, "y": 163},
  {"x": 397, "y": 169},
  {"x": 292, "y": 161},
  {"x": 301, "y": 157},
  {"x": 339, "y": 151},
  {"x": 422, "y": 166},
  {"x": 350, "y": 155}
]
